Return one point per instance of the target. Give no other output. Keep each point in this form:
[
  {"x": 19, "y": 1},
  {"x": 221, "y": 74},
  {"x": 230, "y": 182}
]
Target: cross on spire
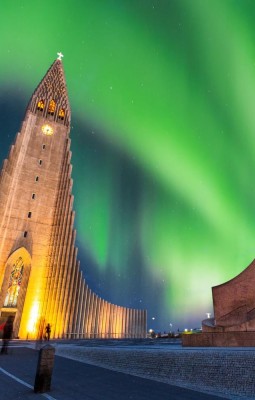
[{"x": 60, "y": 56}]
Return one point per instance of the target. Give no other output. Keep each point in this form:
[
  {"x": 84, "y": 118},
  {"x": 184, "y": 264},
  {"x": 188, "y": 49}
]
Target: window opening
[
  {"x": 52, "y": 107},
  {"x": 14, "y": 284},
  {"x": 61, "y": 114},
  {"x": 29, "y": 214},
  {"x": 40, "y": 162},
  {"x": 43, "y": 146},
  {"x": 33, "y": 196},
  {"x": 25, "y": 234},
  {"x": 37, "y": 178},
  {"x": 40, "y": 105}
]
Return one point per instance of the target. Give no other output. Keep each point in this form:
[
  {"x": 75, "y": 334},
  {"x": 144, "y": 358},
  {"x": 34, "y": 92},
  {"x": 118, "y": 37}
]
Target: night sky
[{"x": 163, "y": 139}]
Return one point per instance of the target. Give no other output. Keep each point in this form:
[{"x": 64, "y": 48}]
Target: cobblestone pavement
[
  {"x": 74, "y": 380},
  {"x": 227, "y": 372}
]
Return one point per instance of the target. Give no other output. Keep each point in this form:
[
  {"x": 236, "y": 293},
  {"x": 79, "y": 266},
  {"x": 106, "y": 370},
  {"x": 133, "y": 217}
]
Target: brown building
[
  {"x": 234, "y": 314},
  {"x": 40, "y": 277}
]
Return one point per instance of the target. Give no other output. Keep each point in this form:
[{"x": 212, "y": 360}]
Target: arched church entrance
[{"x": 14, "y": 287}]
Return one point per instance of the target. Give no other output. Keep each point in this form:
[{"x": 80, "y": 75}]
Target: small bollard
[{"x": 44, "y": 369}]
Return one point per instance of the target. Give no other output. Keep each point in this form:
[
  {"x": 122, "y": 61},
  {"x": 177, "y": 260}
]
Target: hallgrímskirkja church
[{"x": 40, "y": 278}]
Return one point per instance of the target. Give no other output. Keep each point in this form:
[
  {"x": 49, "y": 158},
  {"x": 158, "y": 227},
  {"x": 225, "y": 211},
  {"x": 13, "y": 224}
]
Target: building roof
[{"x": 52, "y": 88}]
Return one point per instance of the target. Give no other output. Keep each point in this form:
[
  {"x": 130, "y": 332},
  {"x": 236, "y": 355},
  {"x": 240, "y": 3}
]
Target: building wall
[
  {"x": 36, "y": 222},
  {"x": 219, "y": 339},
  {"x": 234, "y": 301}
]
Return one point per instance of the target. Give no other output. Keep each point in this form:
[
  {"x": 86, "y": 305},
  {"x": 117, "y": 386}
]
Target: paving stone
[{"x": 228, "y": 372}]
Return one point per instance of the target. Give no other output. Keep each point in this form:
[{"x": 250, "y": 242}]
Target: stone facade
[
  {"x": 234, "y": 314},
  {"x": 40, "y": 277}
]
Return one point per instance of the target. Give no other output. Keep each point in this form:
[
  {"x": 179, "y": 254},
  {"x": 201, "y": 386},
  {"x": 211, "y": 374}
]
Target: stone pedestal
[{"x": 44, "y": 369}]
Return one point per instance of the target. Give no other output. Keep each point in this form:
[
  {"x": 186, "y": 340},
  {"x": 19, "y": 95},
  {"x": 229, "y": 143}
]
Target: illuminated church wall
[{"x": 40, "y": 277}]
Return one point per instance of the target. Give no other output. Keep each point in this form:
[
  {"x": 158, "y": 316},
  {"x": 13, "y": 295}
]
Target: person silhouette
[
  {"x": 48, "y": 331},
  {"x": 7, "y": 334}
]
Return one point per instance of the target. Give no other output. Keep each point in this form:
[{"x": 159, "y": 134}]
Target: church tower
[{"x": 40, "y": 277}]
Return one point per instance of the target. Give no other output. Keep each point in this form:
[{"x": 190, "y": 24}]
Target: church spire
[{"x": 50, "y": 99}]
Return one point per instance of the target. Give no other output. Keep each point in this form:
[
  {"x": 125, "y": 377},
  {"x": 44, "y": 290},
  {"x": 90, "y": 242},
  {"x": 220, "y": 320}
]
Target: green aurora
[{"x": 162, "y": 96}]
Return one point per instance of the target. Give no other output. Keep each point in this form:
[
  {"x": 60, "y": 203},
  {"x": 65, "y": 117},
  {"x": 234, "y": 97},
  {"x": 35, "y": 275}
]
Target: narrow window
[
  {"x": 61, "y": 114},
  {"x": 52, "y": 107},
  {"x": 43, "y": 146},
  {"x": 29, "y": 214},
  {"x": 25, "y": 234},
  {"x": 40, "y": 105},
  {"x": 40, "y": 162},
  {"x": 33, "y": 196},
  {"x": 37, "y": 178}
]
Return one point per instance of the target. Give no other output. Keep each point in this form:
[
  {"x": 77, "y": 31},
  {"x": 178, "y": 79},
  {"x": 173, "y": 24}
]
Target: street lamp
[{"x": 152, "y": 333}]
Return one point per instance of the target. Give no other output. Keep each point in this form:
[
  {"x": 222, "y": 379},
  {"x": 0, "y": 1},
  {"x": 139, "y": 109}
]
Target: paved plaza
[{"x": 125, "y": 370}]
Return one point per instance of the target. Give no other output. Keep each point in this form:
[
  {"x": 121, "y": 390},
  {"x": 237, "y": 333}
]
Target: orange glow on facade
[{"x": 33, "y": 319}]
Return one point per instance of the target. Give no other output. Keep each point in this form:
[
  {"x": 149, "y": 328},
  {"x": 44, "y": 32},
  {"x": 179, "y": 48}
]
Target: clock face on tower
[{"x": 47, "y": 130}]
